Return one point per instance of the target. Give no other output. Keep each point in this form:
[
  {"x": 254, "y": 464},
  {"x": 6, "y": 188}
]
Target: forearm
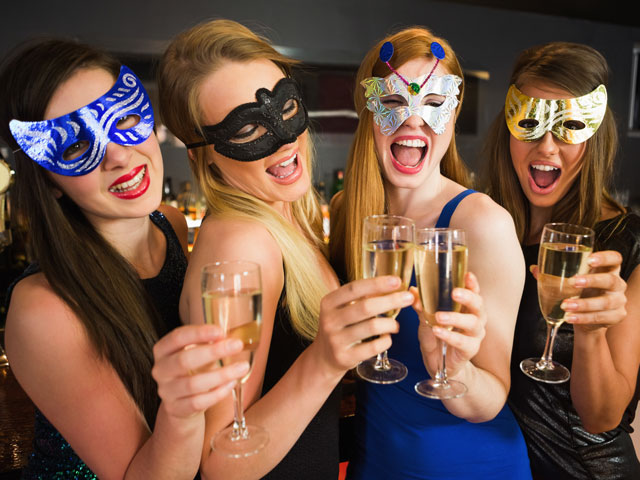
[
  {"x": 285, "y": 411},
  {"x": 599, "y": 392},
  {"x": 172, "y": 451},
  {"x": 485, "y": 397}
]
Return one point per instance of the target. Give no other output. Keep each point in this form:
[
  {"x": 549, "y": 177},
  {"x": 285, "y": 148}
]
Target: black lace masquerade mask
[{"x": 281, "y": 112}]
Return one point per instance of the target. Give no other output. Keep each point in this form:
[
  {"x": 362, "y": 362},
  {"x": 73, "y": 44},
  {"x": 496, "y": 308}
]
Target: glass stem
[
  {"x": 546, "y": 361},
  {"x": 441, "y": 374},
  {"x": 239, "y": 426},
  {"x": 382, "y": 362}
]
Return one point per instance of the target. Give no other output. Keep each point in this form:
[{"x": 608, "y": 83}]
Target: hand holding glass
[
  {"x": 564, "y": 250},
  {"x": 232, "y": 299},
  {"x": 387, "y": 249},
  {"x": 441, "y": 264}
]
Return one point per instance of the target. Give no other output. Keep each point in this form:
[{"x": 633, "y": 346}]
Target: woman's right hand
[
  {"x": 187, "y": 381},
  {"x": 353, "y": 313}
]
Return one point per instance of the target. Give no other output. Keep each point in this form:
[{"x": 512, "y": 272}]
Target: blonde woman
[
  {"x": 227, "y": 94},
  {"x": 404, "y": 161}
]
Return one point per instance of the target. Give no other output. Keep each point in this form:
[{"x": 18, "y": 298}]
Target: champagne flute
[
  {"x": 564, "y": 250},
  {"x": 232, "y": 299},
  {"x": 441, "y": 264},
  {"x": 387, "y": 249}
]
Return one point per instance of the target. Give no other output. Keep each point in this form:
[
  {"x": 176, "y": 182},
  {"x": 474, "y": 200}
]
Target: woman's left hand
[
  {"x": 464, "y": 341},
  {"x": 602, "y": 303}
]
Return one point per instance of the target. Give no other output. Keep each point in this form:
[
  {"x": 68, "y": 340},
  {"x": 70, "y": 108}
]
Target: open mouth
[
  {"x": 285, "y": 170},
  {"x": 544, "y": 176},
  {"x": 408, "y": 154}
]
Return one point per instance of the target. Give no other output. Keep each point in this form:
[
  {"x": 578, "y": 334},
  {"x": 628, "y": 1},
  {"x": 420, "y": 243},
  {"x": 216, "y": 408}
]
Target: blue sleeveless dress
[
  {"x": 400, "y": 435},
  {"x": 52, "y": 456}
]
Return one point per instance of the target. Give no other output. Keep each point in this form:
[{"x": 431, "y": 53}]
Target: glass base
[
  {"x": 552, "y": 372},
  {"x": 254, "y": 440},
  {"x": 440, "y": 390},
  {"x": 369, "y": 371}
]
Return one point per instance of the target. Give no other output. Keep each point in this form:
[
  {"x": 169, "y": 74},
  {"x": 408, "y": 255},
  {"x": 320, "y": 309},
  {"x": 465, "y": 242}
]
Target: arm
[
  {"x": 606, "y": 350},
  {"x": 479, "y": 349},
  {"x": 84, "y": 398},
  {"x": 286, "y": 410}
]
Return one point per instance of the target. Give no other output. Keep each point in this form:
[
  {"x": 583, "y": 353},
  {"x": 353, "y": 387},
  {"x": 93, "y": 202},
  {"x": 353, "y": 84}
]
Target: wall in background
[{"x": 338, "y": 32}]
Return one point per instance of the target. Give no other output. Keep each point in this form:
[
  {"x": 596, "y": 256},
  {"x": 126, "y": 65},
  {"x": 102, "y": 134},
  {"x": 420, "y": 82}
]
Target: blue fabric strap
[{"x": 450, "y": 207}]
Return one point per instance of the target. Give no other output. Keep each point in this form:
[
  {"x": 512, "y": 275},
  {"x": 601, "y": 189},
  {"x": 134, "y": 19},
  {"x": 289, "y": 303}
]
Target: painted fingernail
[{"x": 569, "y": 305}]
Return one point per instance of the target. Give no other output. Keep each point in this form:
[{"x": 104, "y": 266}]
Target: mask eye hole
[
  {"x": 127, "y": 122},
  {"x": 528, "y": 123},
  {"x": 74, "y": 151},
  {"x": 573, "y": 125},
  {"x": 248, "y": 133},
  {"x": 393, "y": 101},
  {"x": 290, "y": 109}
]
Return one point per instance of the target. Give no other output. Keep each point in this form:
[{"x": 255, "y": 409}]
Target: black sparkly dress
[
  {"x": 52, "y": 456},
  {"x": 315, "y": 455},
  {"x": 558, "y": 445}
]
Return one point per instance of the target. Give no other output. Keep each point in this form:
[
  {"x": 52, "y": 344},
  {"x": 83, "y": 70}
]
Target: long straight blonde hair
[
  {"x": 190, "y": 58},
  {"x": 364, "y": 190},
  {"x": 577, "y": 69}
]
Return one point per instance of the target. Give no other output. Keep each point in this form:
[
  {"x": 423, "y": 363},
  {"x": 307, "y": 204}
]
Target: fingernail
[
  {"x": 240, "y": 368},
  {"x": 439, "y": 330},
  {"x": 570, "y": 318},
  {"x": 569, "y": 305},
  {"x": 593, "y": 261},
  {"x": 531, "y": 267},
  {"x": 393, "y": 281},
  {"x": 579, "y": 281},
  {"x": 234, "y": 344},
  {"x": 407, "y": 297},
  {"x": 443, "y": 317}
]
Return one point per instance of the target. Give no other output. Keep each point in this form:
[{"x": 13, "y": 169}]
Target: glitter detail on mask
[
  {"x": 95, "y": 125},
  {"x": 389, "y": 119},
  {"x": 572, "y": 120}
]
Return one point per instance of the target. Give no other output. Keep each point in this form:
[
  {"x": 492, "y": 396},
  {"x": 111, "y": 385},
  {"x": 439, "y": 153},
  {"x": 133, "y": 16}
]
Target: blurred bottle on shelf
[
  {"x": 187, "y": 200},
  {"x": 324, "y": 207},
  {"x": 338, "y": 181},
  {"x": 168, "y": 197}
]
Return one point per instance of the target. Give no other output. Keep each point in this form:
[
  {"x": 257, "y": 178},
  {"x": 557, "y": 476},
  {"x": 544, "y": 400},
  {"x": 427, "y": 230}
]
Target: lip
[
  {"x": 546, "y": 190},
  {"x": 295, "y": 175},
  {"x": 136, "y": 192},
  {"x": 403, "y": 168}
]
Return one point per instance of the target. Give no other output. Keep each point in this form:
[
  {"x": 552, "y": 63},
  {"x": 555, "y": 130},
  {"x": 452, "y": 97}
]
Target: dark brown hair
[{"x": 82, "y": 268}]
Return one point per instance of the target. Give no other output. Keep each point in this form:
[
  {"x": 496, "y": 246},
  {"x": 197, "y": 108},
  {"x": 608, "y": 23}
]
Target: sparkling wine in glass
[
  {"x": 387, "y": 249},
  {"x": 564, "y": 250},
  {"x": 441, "y": 264},
  {"x": 232, "y": 299}
]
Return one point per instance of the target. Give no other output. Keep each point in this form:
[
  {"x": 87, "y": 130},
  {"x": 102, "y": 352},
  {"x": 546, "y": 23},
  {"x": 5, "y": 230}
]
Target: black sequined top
[
  {"x": 52, "y": 456},
  {"x": 315, "y": 454},
  {"x": 559, "y": 447}
]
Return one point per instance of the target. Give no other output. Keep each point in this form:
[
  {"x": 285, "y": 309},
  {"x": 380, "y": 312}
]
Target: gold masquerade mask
[{"x": 572, "y": 120}]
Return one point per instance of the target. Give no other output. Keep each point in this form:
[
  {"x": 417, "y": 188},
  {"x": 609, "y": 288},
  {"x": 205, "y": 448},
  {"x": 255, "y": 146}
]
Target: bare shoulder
[
  {"x": 479, "y": 213},
  {"x": 336, "y": 202}
]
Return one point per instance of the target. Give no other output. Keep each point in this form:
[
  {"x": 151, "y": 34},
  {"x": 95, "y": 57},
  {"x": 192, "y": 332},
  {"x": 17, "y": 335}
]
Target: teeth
[
  {"x": 544, "y": 168},
  {"x": 288, "y": 162},
  {"x": 411, "y": 143},
  {"x": 131, "y": 184}
]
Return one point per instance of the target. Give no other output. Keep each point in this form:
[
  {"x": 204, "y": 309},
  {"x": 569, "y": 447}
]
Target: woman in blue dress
[
  {"x": 93, "y": 332},
  {"x": 404, "y": 162}
]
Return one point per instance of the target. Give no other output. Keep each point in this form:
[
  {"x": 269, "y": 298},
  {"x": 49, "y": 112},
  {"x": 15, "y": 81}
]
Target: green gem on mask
[{"x": 414, "y": 88}]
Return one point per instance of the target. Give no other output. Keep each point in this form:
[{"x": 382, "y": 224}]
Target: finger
[
  {"x": 417, "y": 304},
  {"x": 373, "y": 307},
  {"x": 603, "y": 281},
  {"x": 467, "y": 346},
  {"x": 467, "y": 323},
  {"x": 358, "y": 289},
  {"x": 185, "y": 335},
  {"x": 202, "y": 382},
  {"x": 470, "y": 300},
  {"x": 605, "y": 258},
  {"x": 192, "y": 358},
  {"x": 369, "y": 328},
  {"x": 190, "y": 405},
  {"x": 534, "y": 271},
  {"x": 365, "y": 350},
  {"x": 471, "y": 282},
  {"x": 611, "y": 301},
  {"x": 605, "y": 318}
]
